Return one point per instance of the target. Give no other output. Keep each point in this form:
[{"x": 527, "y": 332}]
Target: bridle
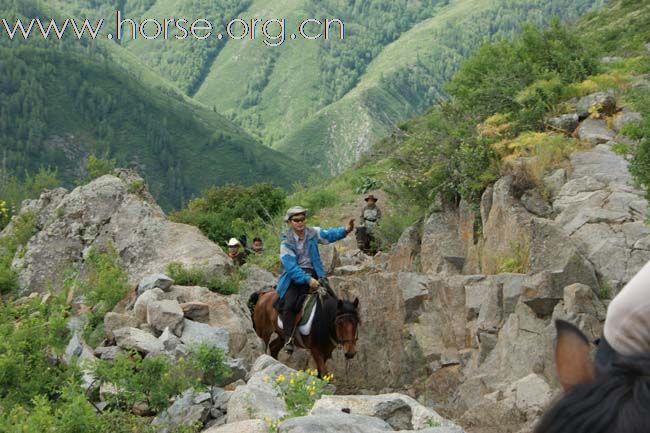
[{"x": 341, "y": 318}]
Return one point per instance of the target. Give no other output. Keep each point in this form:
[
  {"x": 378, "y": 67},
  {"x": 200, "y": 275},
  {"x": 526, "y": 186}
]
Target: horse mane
[{"x": 616, "y": 401}]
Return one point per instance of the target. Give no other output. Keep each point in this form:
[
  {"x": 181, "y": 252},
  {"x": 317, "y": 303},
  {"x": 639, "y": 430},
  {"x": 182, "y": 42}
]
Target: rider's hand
[
  {"x": 313, "y": 283},
  {"x": 350, "y": 226}
]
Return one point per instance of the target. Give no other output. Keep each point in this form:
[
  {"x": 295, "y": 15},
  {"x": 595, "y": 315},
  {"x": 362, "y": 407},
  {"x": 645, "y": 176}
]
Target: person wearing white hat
[
  {"x": 301, "y": 263},
  {"x": 235, "y": 252}
]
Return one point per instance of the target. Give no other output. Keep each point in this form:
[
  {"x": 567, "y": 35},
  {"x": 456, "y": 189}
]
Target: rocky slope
[{"x": 441, "y": 324}]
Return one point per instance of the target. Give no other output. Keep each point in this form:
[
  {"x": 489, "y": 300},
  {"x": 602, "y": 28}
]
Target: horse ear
[
  {"x": 340, "y": 304},
  {"x": 572, "y": 360},
  {"x": 356, "y": 302}
]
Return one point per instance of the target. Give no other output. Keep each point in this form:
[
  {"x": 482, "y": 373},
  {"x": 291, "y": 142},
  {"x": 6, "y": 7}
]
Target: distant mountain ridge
[
  {"x": 64, "y": 100},
  {"x": 326, "y": 102}
]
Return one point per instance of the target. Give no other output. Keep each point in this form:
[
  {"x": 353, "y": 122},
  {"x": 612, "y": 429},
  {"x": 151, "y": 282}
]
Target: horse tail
[{"x": 252, "y": 301}]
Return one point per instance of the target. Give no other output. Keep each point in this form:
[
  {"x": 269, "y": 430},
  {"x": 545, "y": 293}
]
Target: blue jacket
[{"x": 290, "y": 269}]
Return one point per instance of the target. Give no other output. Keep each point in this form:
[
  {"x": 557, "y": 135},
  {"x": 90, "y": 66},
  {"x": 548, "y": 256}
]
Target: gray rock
[
  {"x": 554, "y": 181},
  {"x": 169, "y": 340},
  {"x": 581, "y": 299},
  {"x": 136, "y": 339},
  {"x": 184, "y": 412},
  {"x": 114, "y": 321},
  {"x": 143, "y": 301},
  {"x": 566, "y": 123},
  {"x": 595, "y": 131},
  {"x": 535, "y": 204},
  {"x": 256, "y": 279},
  {"x": 195, "y": 333},
  {"x": 483, "y": 300},
  {"x": 149, "y": 282},
  {"x": 166, "y": 314},
  {"x": 197, "y": 311},
  {"x": 403, "y": 254},
  {"x": 596, "y": 102},
  {"x": 238, "y": 368},
  {"x": 610, "y": 59},
  {"x": 624, "y": 118},
  {"x": 532, "y": 393},
  {"x": 440, "y": 239},
  {"x": 259, "y": 398},
  {"x": 246, "y": 426},
  {"x": 108, "y": 353},
  {"x": 415, "y": 290},
  {"x": 398, "y": 410},
  {"x": 390, "y": 408},
  {"x": 341, "y": 423},
  {"x": 105, "y": 212}
]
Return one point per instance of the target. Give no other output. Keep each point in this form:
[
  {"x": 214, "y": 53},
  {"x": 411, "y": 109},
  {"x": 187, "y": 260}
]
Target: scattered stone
[
  {"x": 149, "y": 282},
  {"x": 197, "y": 311},
  {"x": 184, "y": 412},
  {"x": 566, "y": 123},
  {"x": 166, "y": 314},
  {"x": 600, "y": 102},
  {"x": 595, "y": 131},
  {"x": 108, "y": 353},
  {"x": 246, "y": 426},
  {"x": 113, "y": 321},
  {"x": 133, "y": 338},
  {"x": 143, "y": 301},
  {"x": 195, "y": 333},
  {"x": 624, "y": 118}
]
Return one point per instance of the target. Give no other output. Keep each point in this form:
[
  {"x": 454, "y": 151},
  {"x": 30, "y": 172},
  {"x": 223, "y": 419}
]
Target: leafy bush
[
  {"x": 219, "y": 207},
  {"x": 32, "y": 337},
  {"x": 23, "y": 229},
  {"x": 97, "y": 167},
  {"x": 104, "y": 283},
  {"x": 391, "y": 226},
  {"x": 301, "y": 390},
  {"x": 198, "y": 277},
  {"x": 154, "y": 380},
  {"x": 517, "y": 261}
]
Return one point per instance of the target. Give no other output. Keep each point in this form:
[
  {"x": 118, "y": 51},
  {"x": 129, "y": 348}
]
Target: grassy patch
[
  {"x": 517, "y": 261},
  {"x": 198, "y": 277}
]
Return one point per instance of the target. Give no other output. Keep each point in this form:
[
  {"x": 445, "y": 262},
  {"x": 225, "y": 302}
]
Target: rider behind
[{"x": 301, "y": 263}]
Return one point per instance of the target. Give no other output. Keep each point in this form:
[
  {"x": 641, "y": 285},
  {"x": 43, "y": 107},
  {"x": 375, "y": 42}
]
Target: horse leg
[
  {"x": 275, "y": 346},
  {"x": 320, "y": 362}
]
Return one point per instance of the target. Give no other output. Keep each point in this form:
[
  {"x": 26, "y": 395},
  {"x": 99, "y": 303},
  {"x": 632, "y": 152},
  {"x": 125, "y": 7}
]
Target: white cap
[
  {"x": 296, "y": 210},
  {"x": 233, "y": 242}
]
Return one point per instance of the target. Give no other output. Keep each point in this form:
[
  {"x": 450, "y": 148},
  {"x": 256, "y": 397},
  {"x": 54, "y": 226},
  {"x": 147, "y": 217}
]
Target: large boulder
[
  {"x": 189, "y": 409},
  {"x": 595, "y": 131},
  {"x": 340, "y": 423},
  {"x": 108, "y": 211},
  {"x": 246, "y": 426},
  {"x": 166, "y": 314},
  {"x": 136, "y": 339},
  {"x": 259, "y": 399}
]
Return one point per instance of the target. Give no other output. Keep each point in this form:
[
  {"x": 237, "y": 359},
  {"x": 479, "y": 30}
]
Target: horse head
[
  {"x": 346, "y": 325},
  {"x": 611, "y": 397}
]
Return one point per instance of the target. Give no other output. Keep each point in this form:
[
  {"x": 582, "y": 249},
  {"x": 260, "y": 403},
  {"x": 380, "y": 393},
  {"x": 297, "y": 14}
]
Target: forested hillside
[
  {"x": 326, "y": 101},
  {"x": 63, "y": 101}
]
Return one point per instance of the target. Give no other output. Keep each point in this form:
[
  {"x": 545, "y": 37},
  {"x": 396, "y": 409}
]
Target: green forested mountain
[
  {"x": 61, "y": 101},
  {"x": 325, "y": 101}
]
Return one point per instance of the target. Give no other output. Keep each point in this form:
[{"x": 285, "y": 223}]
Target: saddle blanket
[{"x": 308, "y": 313}]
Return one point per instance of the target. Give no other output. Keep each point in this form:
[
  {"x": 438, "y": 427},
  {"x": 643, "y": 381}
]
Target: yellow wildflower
[{"x": 280, "y": 378}]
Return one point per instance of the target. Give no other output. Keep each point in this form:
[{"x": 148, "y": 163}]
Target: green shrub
[
  {"x": 104, "y": 283},
  {"x": 391, "y": 226},
  {"x": 32, "y": 336},
  {"x": 23, "y": 229},
  {"x": 154, "y": 380},
  {"x": 97, "y": 167},
  {"x": 198, "y": 277},
  {"x": 516, "y": 261},
  {"x": 301, "y": 390},
  {"x": 218, "y": 208}
]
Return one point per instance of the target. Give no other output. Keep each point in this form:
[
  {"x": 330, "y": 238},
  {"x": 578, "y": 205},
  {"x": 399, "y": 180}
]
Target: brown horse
[{"x": 335, "y": 323}]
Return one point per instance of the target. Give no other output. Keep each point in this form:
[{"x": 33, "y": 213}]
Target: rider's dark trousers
[{"x": 292, "y": 302}]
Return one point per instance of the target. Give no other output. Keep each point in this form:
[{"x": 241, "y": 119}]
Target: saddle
[{"x": 305, "y": 316}]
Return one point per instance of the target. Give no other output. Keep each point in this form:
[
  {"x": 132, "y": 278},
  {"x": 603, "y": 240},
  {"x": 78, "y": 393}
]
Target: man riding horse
[{"x": 302, "y": 265}]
